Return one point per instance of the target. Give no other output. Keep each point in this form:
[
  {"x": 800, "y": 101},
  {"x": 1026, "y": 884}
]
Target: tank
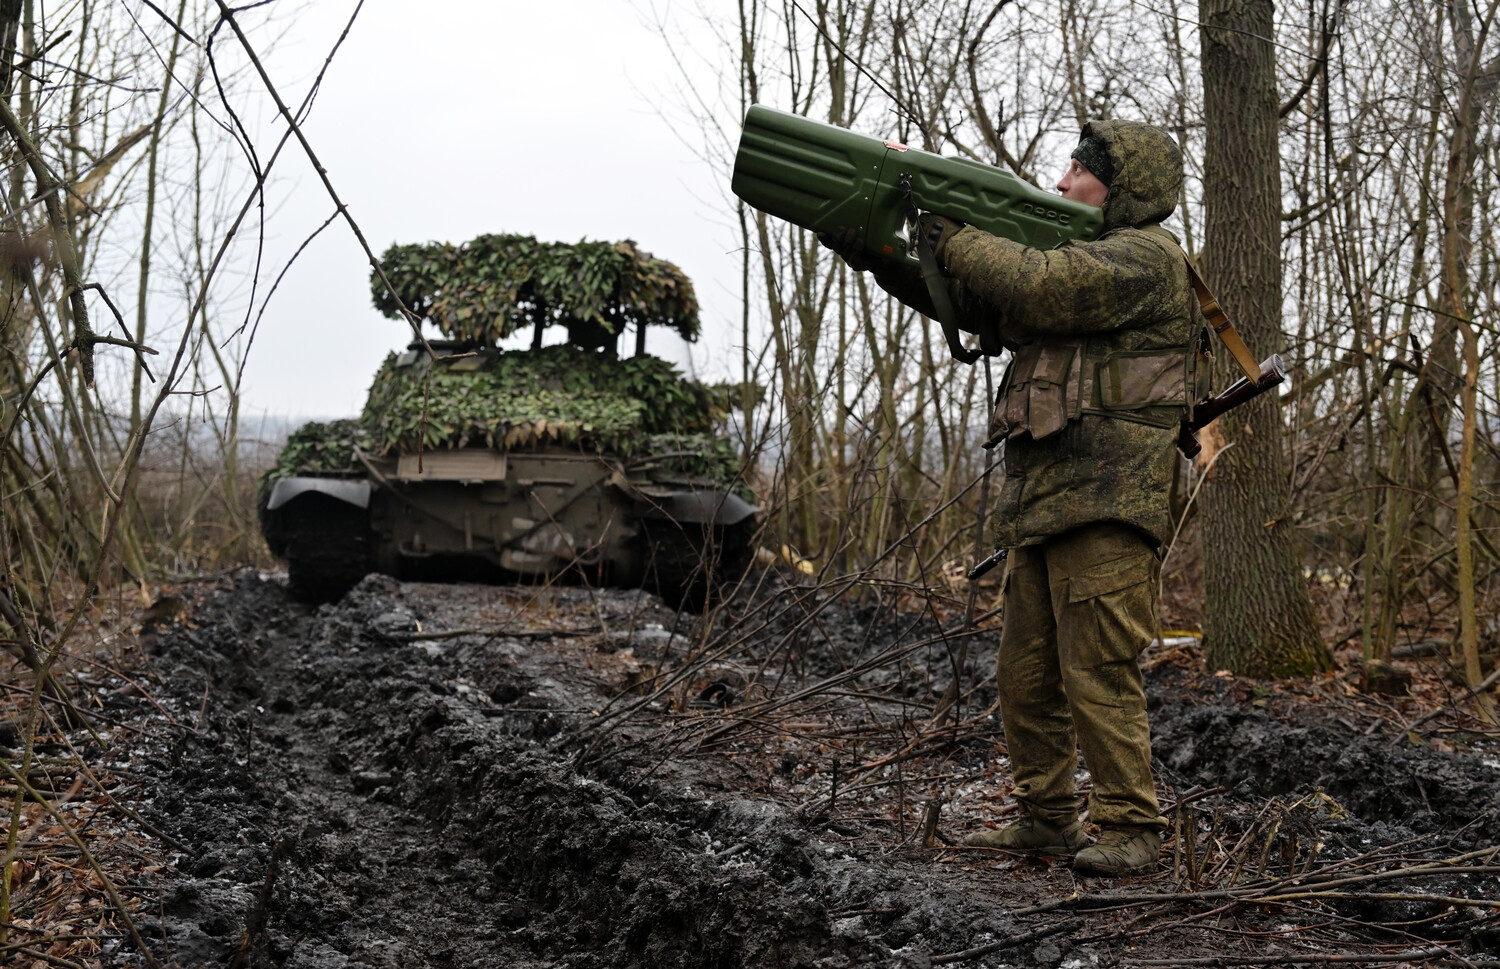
[{"x": 564, "y": 462}]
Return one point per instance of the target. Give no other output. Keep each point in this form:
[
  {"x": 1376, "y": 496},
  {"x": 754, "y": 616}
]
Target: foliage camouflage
[
  {"x": 319, "y": 448},
  {"x": 488, "y": 288},
  {"x": 519, "y": 399},
  {"x": 483, "y": 291},
  {"x": 710, "y": 456},
  {"x": 639, "y": 407}
]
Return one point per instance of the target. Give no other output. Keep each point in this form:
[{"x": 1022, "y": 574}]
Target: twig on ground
[
  {"x": 1472, "y": 691},
  {"x": 1061, "y": 928},
  {"x": 255, "y": 919},
  {"x": 1290, "y": 959}
]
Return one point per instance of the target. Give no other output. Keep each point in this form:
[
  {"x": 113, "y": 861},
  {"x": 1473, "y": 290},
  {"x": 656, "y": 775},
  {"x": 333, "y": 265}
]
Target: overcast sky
[{"x": 547, "y": 118}]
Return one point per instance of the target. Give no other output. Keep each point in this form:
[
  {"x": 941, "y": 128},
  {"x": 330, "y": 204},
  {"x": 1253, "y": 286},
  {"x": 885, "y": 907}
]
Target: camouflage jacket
[{"x": 1107, "y": 337}]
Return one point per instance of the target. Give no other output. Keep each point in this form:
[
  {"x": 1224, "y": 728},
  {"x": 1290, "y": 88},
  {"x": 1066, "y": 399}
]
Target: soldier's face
[{"x": 1082, "y": 185}]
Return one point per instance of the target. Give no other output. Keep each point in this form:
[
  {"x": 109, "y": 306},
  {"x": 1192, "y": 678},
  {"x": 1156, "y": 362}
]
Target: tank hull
[{"x": 488, "y": 514}]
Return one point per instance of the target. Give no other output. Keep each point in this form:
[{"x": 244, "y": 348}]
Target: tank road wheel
[
  {"x": 327, "y": 546},
  {"x": 689, "y": 564}
]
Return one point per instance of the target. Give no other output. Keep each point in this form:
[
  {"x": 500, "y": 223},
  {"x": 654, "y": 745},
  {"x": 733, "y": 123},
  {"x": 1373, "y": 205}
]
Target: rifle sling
[{"x": 1219, "y": 320}]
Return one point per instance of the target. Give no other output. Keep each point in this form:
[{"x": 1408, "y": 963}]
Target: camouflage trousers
[{"x": 1079, "y": 608}]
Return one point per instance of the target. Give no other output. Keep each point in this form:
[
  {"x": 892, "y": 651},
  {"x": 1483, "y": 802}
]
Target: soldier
[{"x": 1106, "y": 337}]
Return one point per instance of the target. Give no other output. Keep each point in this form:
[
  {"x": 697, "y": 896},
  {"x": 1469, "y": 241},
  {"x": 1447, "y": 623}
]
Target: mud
[
  {"x": 1372, "y": 775},
  {"x": 406, "y": 778}
]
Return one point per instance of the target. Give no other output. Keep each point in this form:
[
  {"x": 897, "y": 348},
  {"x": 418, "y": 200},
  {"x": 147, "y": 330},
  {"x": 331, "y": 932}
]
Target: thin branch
[{"x": 411, "y": 318}]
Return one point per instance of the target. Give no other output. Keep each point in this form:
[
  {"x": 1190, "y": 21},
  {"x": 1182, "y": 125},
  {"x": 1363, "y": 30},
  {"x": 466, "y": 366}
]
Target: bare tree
[{"x": 1259, "y": 618}]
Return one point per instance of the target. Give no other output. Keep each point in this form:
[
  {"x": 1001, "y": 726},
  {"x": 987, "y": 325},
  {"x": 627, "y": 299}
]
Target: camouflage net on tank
[
  {"x": 522, "y": 399},
  {"x": 491, "y": 286},
  {"x": 636, "y": 408},
  {"x": 319, "y": 448},
  {"x": 697, "y": 456},
  {"x": 483, "y": 291}
]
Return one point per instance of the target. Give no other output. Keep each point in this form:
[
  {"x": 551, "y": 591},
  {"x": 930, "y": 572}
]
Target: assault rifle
[{"x": 1272, "y": 372}]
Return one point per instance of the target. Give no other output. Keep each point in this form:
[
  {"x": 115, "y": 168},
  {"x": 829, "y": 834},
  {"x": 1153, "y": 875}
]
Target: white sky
[{"x": 446, "y": 120}]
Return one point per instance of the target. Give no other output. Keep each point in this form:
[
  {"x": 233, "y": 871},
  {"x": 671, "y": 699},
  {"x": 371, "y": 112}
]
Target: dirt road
[{"x": 429, "y": 775}]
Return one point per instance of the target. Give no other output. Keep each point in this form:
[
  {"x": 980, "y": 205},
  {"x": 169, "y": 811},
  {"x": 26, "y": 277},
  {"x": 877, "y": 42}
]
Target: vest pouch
[
  {"x": 999, "y": 430},
  {"x": 1132, "y": 381},
  {"x": 1036, "y": 397},
  {"x": 1049, "y": 405},
  {"x": 1011, "y": 409}
]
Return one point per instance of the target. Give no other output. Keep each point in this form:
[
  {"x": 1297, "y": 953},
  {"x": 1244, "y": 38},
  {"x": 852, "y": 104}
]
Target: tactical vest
[{"x": 1050, "y": 384}]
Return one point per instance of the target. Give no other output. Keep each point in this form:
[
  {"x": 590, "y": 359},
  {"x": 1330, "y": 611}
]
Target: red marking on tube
[
  {"x": 888, "y": 250},
  {"x": 896, "y": 145}
]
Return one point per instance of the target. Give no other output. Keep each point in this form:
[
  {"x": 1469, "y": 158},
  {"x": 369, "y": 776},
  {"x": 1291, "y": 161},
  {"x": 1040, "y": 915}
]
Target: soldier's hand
[
  {"x": 936, "y": 230},
  {"x": 850, "y": 247}
]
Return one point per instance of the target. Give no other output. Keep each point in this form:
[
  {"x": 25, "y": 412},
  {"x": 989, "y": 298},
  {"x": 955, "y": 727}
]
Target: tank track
[
  {"x": 691, "y": 565},
  {"x": 327, "y": 546}
]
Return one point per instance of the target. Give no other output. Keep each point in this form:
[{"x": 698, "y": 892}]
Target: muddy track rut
[{"x": 405, "y": 757}]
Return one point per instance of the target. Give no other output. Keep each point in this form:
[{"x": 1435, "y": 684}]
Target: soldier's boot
[
  {"x": 1032, "y": 835},
  {"x": 1122, "y": 850}
]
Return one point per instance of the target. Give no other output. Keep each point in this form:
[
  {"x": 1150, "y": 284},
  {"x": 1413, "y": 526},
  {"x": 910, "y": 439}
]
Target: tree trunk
[
  {"x": 1453, "y": 303},
  {"x": 1258, "y": 616}
]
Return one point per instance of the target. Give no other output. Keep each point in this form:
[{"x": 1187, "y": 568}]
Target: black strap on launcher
[{"x": 932, "y": 276}]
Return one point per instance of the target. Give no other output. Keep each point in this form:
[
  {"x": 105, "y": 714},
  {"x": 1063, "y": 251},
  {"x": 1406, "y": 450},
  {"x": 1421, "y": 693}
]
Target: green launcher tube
[{"x": 823, "y": 177}]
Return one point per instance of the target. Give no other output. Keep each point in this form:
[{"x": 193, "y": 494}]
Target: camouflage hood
[{"x": 1148, "y": 164}]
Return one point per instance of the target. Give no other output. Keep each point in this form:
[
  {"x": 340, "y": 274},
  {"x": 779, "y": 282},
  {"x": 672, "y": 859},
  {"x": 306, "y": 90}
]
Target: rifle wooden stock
[{"x": 1272, "y": 373}]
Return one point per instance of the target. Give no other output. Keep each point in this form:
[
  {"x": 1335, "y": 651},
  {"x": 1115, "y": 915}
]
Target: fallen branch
[
  {"x": 1071, "y": 925},
  {"x": 1290, "y": 890},
  {"x": 1472, "y": 691},
  {"x": 255, "y": 920},
  {"x": 733, "y": 724},
  {"x": 493, "y": 634},
  {"x": 1311, "y": 959},
  {"x": 48, "y": 958}
]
